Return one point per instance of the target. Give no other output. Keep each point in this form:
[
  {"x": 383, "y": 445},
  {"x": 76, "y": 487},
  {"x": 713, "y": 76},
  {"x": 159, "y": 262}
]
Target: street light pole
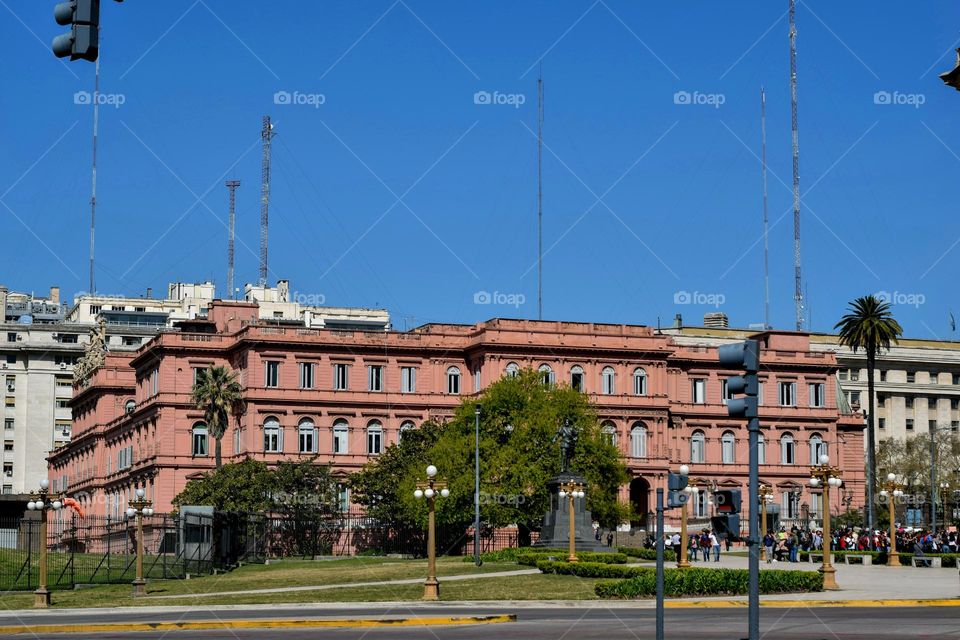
[
  {"x": 476, "y": 492},
  {"x": 892, "y": 490},
  {"x": 41, "y": 501},
  {"x": 429, "y": 490},
  {"x": 572, "y": 490},
  {"x": 826, "y": 476},
  {"x": 140, "y": 507},
  {"x": 765, "y": 494},
  {"x": 933, "y": 479},
  {"x": 682, "y": 562}
]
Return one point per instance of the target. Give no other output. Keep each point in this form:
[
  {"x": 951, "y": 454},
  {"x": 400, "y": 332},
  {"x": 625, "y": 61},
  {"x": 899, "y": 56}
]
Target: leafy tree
[
  {"x": 239, "y": 486},
  {"x": 218, "y": 393},
  {"x": 518, "y": 455},
  {"x": 869, "y": 325}
]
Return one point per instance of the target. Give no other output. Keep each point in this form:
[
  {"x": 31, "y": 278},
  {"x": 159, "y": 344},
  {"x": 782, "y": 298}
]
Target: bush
[
  {"x": 591, "y": 569},
  {"x": 648, "y": 554},
  {"x": 531, "y": 558},
  {"x": 709, "y": 582},
  {"x": 507, "y": 555}
]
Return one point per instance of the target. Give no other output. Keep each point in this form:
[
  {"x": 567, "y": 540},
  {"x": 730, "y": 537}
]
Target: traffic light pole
[
  {"x": 659, "y": 563},
  {"x": 753, "y": 542}
]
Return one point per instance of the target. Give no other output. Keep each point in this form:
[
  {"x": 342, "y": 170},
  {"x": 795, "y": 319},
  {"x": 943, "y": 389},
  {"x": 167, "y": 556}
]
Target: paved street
[{"x": 586, "y": 621}]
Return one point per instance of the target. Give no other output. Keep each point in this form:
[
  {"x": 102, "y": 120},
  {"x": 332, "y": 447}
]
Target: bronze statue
[{"x": 567, "y": 434}]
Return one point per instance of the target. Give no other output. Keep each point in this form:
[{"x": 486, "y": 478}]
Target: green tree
[
  {"x": 218, "y": 393},
  {"x": 869, "y": 325},
  {"x": 910, "y": 460},
  {"x": 518, "y": 455},
  {"x": 239, "y": 486}
]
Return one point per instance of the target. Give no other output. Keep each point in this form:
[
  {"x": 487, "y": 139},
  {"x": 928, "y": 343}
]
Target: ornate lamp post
[
  {"x": 682, "y": 562},
  {"x": 823, "y": 475},
  {"x": 764, "y": 497},
  {"x": 572, "y": 490},
  {"x": 43, "y": 502},
  {"x": 891, "y": 491},
  {"x": 140, "y": 507},
  {"x": 429, "y": 490}
]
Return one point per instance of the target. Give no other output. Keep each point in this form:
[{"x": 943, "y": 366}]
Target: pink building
[{"x": 346, "y": 395}]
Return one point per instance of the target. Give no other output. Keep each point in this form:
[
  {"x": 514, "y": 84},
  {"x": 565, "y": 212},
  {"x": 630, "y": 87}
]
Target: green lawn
[{"x": 86, "y": 568}]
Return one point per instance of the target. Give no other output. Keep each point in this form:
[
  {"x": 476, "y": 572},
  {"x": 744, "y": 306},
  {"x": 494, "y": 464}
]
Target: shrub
[
  {"x": 703, "y": 582},
  {"x": 648, "y": 554},
  {"x": 531, "y": 558},
  {"x": 591, "y": 569}
]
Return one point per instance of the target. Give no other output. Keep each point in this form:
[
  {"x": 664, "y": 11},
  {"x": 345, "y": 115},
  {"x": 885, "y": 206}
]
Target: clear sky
[{"x": 393, "y": 187}]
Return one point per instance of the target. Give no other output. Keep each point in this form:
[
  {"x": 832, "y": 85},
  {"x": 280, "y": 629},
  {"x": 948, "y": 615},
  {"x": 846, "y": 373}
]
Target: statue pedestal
[{"x": 555, "y": 533}]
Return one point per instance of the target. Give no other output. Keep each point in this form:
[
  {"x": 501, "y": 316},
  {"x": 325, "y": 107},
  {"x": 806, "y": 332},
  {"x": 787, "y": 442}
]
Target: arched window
[
  {"x": 609, "y": 432},
  {"x": 374, "y": 438},
  {"x": 200, "y": 439},
  {"x": 638, "y": 440},
  {"x": 576, "y": 378},
  {"x": 761, "y": 449},
  {"x": 546, "y": 374},
  {"x": 341, "y": 436},
  {"x": 406, "y": 426},
  {"x": 307, "y": 433},
  {"x": 639, "y": 382},
  {"x": 608, "y": 379},
  {"x": 787, "y": 450},
  {"x": 817, "y": 448},
  {"x": 130, "y": 406},
  {"x": 512, "y": 370},
  {"x": 698, "y": 446},
  {"x": 453, "y": 380},
  {"x": 728, "y": 447},
  {"x": 272, "y": 435}
]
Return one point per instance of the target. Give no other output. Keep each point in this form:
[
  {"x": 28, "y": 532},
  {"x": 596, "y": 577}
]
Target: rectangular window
[
  {"x": 408, "y": 379},
  {"x": 308, "y": 440},
  {"x": 883, "y": 375},
  {"x": 911, "y": 377},
  {"x": 842, "y": 374},
  {"x": 306, "y": 375},
  {"x": 932, "y": 425},
  {"x": 95, "y": 309},
  {"x": 934, "y": 377},
  {"x": 854, "y": 397},
  {"x": 68, "y": 338},
  {"x": 10, "y": 401},
  {"x": 955, "y": 378},
  {"x": 199, "y": 442},
  {"x": 343, "y": 497},
  {"x": 374, "y": 441},
  {"x": 11, "y": 358},
  {"x": 340, "y": 435},
  {"x": 881, "y": 400},
  {"x": 817, "y": 398},
  {"x": 788, "y": 394},
  {"x": 8, "y": 489},
  {"x": 271, "y": 439},
  {"x": 8, "y": 424},
  {"x": 955, "y": 426},
  {"x": 11, "y": 337},
  {"x": 271, "y": 375},
  {"x": 760, "y": 393},
  {"x": 909, "y": 403},
  {"x": 8, "y": 446},
  {"x": 341, "y": 376},
  {"x": 476, "y": 380},
  {"x": 698, "y": 388},
  {"x": 725, "y": 394},
  {"x": 8, "y": 469},
  {"x": 375, "y": 377},
  {"x": 131, "y": 341},
  {"x": 881, "y": 423},
  {"x": 62, "y": 428},
  {"x": 854, "y": 375},
  {"x": 909, "y": 424},
  {"x": 955, "y": 403},
  {"x": 576, "y": 381}
]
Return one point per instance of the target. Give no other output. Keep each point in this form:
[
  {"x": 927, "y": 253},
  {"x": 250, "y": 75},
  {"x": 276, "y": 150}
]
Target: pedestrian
[
  {"x": 715, "y": 545},
  {"x": 675, "y": 544},
  {"x": 768, "y": 542},
  {"x": 610, "y": 538},
  {"x": 692, "y": 546}
]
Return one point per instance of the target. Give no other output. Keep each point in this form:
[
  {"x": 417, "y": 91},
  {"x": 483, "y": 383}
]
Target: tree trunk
[
  {"x": 871, "y": 443},
  {"x": 216, "y": 452}
]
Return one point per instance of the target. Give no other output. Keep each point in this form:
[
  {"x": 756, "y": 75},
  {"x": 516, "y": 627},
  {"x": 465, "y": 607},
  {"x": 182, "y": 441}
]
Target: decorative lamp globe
[
  {"x": 141, "y": 493},
  {"x": 418, "y": 494},
  {"x": 562, "y": 494},
  {"x": 444, "y": 493},
  {"x": 684, "y": 470},
  {"x": 431, "y": 471},
  {"x": 131, "y": 513},
  {"x": 31, "y": 506},
  {"x": 824, "y": 458},
  {"x": 428, "y": 493},
  {"x": 57, "y": 505},
  {"x": 814, "y": 482},
  {"x": 891, "y": 477},
  {"x": 44, "y": 484}
]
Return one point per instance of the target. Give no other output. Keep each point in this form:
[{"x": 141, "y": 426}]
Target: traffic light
[
  {"x": 82, "y": 42},
  {"x": 742, "y": 355},
  {"x": 726, "y": 526},
  {"x": 952, "y": 78},
  {"x": 727, "y": 500},
  {"x": 676, "y": 483},
  {"x": 727, "y": 504}
]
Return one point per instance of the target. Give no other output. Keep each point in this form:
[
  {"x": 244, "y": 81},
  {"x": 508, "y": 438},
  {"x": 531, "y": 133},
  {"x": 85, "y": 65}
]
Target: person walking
[
  {"x": 715, "y": 545},
  {"x": 768, "y": 542}
]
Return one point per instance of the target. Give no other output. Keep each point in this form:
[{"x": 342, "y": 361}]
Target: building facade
[{"x": 345, "y": 395}]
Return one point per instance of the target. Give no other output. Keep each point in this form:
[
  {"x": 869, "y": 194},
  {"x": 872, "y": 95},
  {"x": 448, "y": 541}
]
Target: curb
[
  {"x": 353, "y": 623},
  {"x": 722, "y": 604}
]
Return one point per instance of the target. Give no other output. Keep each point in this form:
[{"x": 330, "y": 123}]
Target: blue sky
[{"x": 400, "y": 191}]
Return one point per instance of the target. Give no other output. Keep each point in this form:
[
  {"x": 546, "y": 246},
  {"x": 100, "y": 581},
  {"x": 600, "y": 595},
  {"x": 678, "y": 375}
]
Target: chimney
[
  {"x": 55, "y": 295},
  {"x": 678, "y": 321},
  {"x": 149, "y": 292},
  {"x": 716, "y": 320}
]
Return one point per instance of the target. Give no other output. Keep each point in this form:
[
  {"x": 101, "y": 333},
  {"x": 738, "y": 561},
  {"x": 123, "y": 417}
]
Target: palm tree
[
  {"x": 218, "y": 393},
  {"x": 870, "y": 326}
]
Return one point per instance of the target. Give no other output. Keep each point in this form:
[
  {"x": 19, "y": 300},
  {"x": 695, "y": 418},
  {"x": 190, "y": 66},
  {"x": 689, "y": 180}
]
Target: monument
[{"x": 555, "y": 533}]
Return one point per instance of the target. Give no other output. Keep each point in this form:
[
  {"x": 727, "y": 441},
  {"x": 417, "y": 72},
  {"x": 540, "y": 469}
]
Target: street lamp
[
  {"x": 892, "y": 490},
  {"x": 140, "y": 507},
  {"x": 43, "y": 502},
  {"x": 476, "y": 492},
  {"x": 429, "y": 490},
  {"x": 825, "y": 476},
  {"x": 572, "y": 490},
  {"x": 682, "y": 562},
  {"x": 764, "y": 497}
]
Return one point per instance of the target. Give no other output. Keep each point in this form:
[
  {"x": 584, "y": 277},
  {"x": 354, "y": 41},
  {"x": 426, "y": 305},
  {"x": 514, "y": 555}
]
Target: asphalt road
[{"x": 568, "y": 623}]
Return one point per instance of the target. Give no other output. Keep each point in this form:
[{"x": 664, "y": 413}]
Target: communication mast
[
  {"x": 267, "y": 134},
  {"x": 232, "y": 186},
  {"x": 798, "y": 288}
]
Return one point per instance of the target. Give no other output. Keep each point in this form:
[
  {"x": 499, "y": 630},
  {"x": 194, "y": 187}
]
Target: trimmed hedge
[
  {"x": 648, "y": 554},
  {"x": 531, "y": 558},
  {"x": 906, "y": 557},
  {"x": 709, "y": 582},
  {"x": 510, "y": 554},
  {"x": 591, "y": 569}
]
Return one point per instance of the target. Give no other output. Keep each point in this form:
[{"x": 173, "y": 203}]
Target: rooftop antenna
[
  {"x": 766, "y": 246},
  {"x": 267, "y": 134},
  {"x": 798, "y": 293},
  {"x": 540, "y": 194},
  {"x": 232, "y": 186},
  {"x": 93, "y": 187}
]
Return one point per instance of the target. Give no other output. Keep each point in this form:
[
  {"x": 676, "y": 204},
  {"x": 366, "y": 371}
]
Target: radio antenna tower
[
  {"x": 93, "y": 187},
  {"x": 540, "y": 195},
  {"x": 766, "y": 246},
  {"x": 232, "y": 186},
  {"x": 798, "y": 290},
  {"x": 267, "y": 134}
]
